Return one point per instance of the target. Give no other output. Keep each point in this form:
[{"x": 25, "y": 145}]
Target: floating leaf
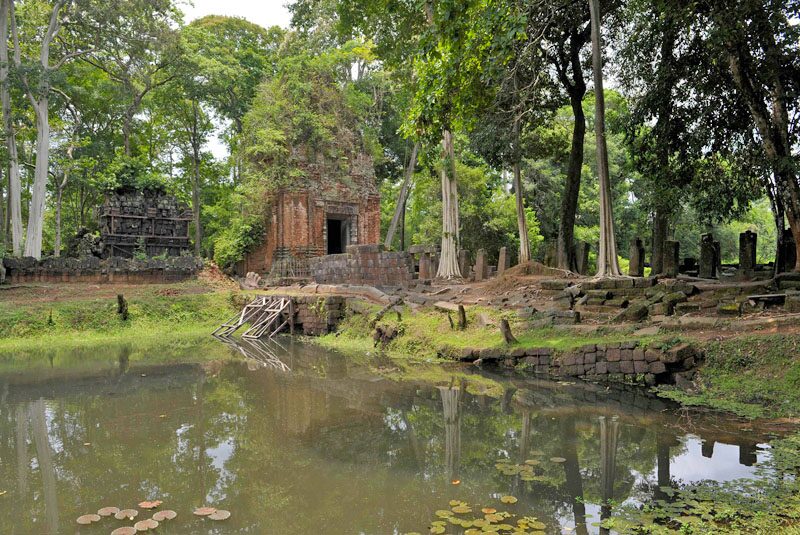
[
  {"x": 165, "y": 515},
  {"x": 557, "y": 460},
  {"x": 108, "y": 511},
  {"x": 508, "y": 499},
  {"x": 443, "y": 513},
  {"x": 488, "y": 510},
  {"x": 532, "y": 462},
  {"x": 204, "y": 511},
  {"x": 127, "y": 530},
  {"x": 144, "y": 525},
  {"x": 130, "y": 514},
  {"x": 85, "y": 520},
  {"x": 453, "y": 503},
  {"x": 462, "y": 509},
  {"x": 220, "y": 514},
  {"x": 437, "y": 530},
  {"x": 150, "y": 505}
]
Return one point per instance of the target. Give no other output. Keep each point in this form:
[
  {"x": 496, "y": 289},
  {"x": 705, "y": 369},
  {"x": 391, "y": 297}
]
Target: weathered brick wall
[
  {"x": 317, "y": 315},
  {"x": 93, "y": 269},
  {"x": 627, "y": 362},
  {"x": 364, "y": 264}
]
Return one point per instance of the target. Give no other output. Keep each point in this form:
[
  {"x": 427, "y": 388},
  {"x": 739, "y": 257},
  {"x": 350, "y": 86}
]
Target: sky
[{"x": 263, "y": 12}]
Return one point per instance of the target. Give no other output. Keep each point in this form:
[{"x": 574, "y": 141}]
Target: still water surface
[{"x": 303, "y": 442}]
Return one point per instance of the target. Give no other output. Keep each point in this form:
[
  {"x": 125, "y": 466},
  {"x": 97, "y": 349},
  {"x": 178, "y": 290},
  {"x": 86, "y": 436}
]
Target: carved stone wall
[{"x": 156, "y": 222}]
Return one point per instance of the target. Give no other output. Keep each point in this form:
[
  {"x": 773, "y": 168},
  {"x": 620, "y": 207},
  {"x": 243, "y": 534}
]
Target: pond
[{"x": 297, "y": 440}]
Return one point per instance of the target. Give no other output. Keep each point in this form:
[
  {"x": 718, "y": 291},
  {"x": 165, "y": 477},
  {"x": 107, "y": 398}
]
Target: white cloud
[{"x": 263, "y": 12}]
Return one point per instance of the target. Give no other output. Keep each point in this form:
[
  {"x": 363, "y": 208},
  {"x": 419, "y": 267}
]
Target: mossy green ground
[
  {"x": 158, "y": 313},
  {"x": 753, "y": 376}
]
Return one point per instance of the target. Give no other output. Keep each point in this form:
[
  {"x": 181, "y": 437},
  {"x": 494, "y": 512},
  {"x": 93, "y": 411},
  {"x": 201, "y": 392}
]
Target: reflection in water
[
  {"x": 609, "y": 434},
  {"x": 316, "y": 444},
  {"x": 451, "y": 411}
]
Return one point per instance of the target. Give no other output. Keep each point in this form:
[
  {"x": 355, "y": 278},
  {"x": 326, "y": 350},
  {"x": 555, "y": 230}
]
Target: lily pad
[
  {"x": 557, "y": 460},
  {"x": 144, "y": 525},
  {"x": 204, "y": 511},
  {"x": 462, "y": 509},
  {"x": 488, "y": 510},
  {"x": 508, "y": 499},
  {"x": 220, "y": 514},
  {"x": 108, "y": 511},
  {"x": 437, "y": 530},
  {"x": 85, "y": 520},
  {"x": 150, "y": 505},
  {"x": 127, "y": 530},
  {"x": 167, "y": 514},
  {"x": 129, "y": 514}
]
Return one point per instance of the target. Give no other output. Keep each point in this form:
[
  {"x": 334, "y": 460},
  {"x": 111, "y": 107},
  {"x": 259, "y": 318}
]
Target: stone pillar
[
  {"x": 463, "y": 262},
  {"x": 708, "y": 257},
  {"x": 582, "y": 257},
  {"x": 788, "y": 252},
  {"x": 425, "y": 266},
  {"x": 672, "y": 251},
  {"x": 480, "y": 265},
  {"x": 636, "y": 265},
  {"x": 747, "y": 254},
  {"x": 503, "y": 262}
]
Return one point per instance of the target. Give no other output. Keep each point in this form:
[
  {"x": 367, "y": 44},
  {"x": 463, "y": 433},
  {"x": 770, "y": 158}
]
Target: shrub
[{"x": 236, "y": 241}]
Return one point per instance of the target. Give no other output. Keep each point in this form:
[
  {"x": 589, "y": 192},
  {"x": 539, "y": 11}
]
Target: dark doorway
[{"x": 335, "y": 236}]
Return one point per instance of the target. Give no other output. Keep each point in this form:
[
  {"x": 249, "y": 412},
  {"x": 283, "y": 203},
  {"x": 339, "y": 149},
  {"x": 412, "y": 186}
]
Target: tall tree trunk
[
  {"x": 448, "y": 263},
  {"x": 565, "y": 251},
  {"x": 778, "y": 216},
  {"x": 607, "y": 262},
  {"x": 198, "y": 225},
  {"x": 57, "y": 240},
  {"x": 399, "y": 211},
  {"x": 660, "y": 225},
  {"x": 39, "y": 102},
  {"x": 771, "y": 120},
  {"x": 33, "y": 239},
  {"x": 522, "y": 221},
  {"x": 14, "y": 182},
  {"x": 3, "y": 242}
]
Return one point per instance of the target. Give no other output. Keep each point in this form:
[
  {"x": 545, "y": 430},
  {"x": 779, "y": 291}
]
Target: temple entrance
[{"x": 337, "y": 236}]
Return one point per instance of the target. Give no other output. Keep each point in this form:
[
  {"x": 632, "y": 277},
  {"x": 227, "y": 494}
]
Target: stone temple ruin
[
  {"x": 151, "y": 222},
  {"x": 334, "y": 206}
]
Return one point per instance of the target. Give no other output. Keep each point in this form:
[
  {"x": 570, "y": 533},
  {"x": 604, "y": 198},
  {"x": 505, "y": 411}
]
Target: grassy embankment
[
  {"x": 43, "y": 318},
  {"x": 754, "y": 375}
]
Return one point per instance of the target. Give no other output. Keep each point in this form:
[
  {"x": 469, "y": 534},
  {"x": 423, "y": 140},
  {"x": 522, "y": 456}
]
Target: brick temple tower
[{"x": 331, "y": 205}]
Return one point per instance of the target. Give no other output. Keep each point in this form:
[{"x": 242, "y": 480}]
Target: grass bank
[
  {"x": 31, "y": 321},
  {"x": 754, "y": 376}
]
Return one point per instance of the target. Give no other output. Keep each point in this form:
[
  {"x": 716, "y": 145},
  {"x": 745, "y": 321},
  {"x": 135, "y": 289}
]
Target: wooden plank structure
[{"x": 265, "y": 314}]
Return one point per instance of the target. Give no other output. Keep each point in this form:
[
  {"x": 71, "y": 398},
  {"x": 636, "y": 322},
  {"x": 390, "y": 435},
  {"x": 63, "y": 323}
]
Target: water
[{"x": 308, "y": 443}]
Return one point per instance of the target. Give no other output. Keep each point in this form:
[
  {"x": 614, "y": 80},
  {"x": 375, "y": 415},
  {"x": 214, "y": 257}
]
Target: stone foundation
[
  {"x": 315, "y": 315},
  {"x": 367, "y": 265},
  {"x": 626, "y": 362},
  {"x": 95, "y": 270}
]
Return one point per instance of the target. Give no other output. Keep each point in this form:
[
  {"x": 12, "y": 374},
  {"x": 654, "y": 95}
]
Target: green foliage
[
  {"x": 233, "y": 243},
  {"x": 131, "y": 173}
]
